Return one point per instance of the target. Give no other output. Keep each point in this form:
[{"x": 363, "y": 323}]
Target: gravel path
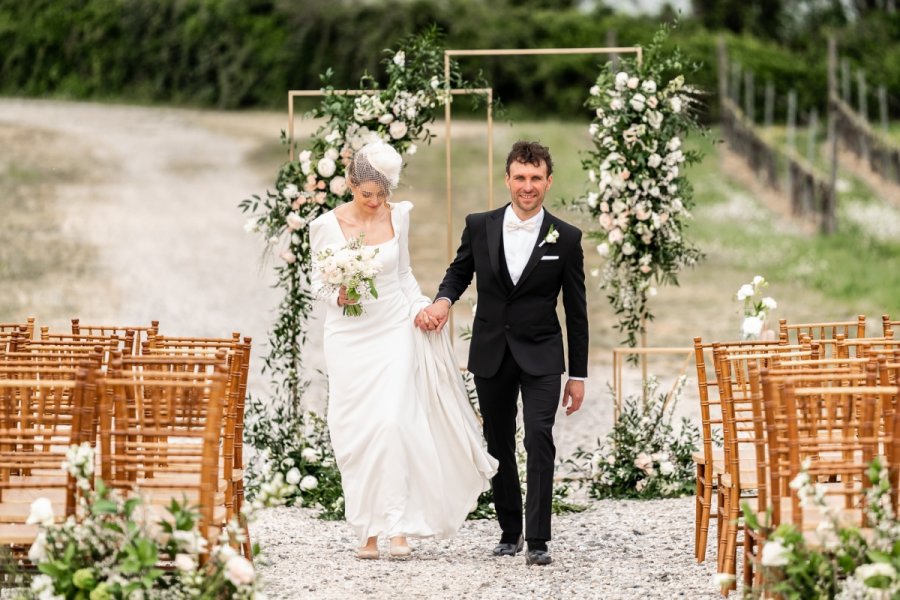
[{"x": 614, "y": 550}]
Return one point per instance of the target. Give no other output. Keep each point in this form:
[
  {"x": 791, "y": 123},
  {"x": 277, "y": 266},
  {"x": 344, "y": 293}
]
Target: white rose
[
  {"x": 638, "y": 102},
  {"x": 595, "y": 90},
  {"x": 290, "y": 191},
  {"x": 616, "y": 236},
  {"x": 288, "y": 256},
  {"x": 676, "y": 105},
  {"x": 616, "y": 104},
  {"x": 752, "y": 326},
  {"x": 295, "y": 221},
  {"x": 633, "y": 83},
  {"x": 745, "y": 292},
  {"x": 185, "y": 562},
  {"x": 627, "y": 249},
  {"x": 674, "y": 144},
  {"x": 774, "y": 554},
  {"x": 606, "y": 221},
  {"x": 769, "y": 303},
  {"x": 400, "y": 59},
  {"x": 310, "y": 455},
  {"x": 326, "y": 167},
  {"x": 398, "y": 129},
  {"x": 332, "y": 153},
  {"x": 649, "y": 86},
  {"x": 305, "y": 156},
  {"x": 655, "y": 119},
  {"x": 334, "y": 137},
  {"x": 621, "y": 80},
  {"x": 593, "y": 129},
  {"x": 603, "y": 249},
  {"x": 412, "y": 149},
  {"x": 293, "y": 476},
  {"x": 865, "y": 572},
  {"x": 309, "y": 483},
  {"x": 41, "y": 513},
  {"x": 386, "y": 119},
  {"x": 666, "y": 468},
  {"x": 654, "y": 160},
  {"x": 239, "y": 571},
  {"x": 338, "y": 186}
]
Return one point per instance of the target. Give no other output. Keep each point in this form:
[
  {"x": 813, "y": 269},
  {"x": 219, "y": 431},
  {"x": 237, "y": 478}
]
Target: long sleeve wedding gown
[{"x": 406, "y": 440}]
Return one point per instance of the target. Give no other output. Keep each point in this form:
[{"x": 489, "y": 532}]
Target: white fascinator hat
[{"x": 376, "y": 161}]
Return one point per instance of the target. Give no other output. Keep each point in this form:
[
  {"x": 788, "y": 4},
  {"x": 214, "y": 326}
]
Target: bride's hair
[{"x": 378, "y": 162}]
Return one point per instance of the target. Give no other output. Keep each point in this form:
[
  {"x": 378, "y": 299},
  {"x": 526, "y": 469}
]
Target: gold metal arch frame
[{"x": 292, "y": 94}]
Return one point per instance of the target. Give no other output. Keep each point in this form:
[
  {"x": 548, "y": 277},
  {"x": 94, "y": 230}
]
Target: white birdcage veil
[{"x": 378, "y": 162}]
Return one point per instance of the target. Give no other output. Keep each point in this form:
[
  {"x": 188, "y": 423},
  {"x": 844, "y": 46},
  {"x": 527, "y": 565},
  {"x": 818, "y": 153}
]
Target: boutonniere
[{"x": 551, "y": 237}]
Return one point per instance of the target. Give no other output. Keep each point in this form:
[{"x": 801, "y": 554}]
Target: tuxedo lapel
[
  {"x": 494, "y": 231},
  {"x": 539, "y": 249}
]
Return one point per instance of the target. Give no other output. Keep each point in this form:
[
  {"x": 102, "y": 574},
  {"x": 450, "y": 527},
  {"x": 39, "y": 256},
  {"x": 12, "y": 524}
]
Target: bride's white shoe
[{"x": 400, "y": 549}]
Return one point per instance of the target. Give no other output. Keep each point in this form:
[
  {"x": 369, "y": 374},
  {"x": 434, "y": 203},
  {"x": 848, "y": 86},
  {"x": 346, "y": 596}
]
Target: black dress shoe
[
  {"x": 538, "y": 557},
  {"x": 503, "y": 549}
]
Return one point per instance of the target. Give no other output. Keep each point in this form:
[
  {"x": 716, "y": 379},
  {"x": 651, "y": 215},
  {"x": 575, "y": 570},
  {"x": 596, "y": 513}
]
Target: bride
[{"x": 406, "y": 440}]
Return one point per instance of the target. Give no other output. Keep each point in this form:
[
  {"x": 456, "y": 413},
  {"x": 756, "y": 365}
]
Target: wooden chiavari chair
[
  {"x": 27, "y": 327},
  {"x": 825, "y": 332},
  {"x": 39, "y": 420},
  {"x": 167, "y": 444},
  {"x": 709, "y": 462},
  {"x": 238, "y": 352},
  {"x": 141, "y": 333},
  {"x": 888, "y": 325}
]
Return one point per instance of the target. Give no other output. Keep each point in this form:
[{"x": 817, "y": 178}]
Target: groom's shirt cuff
[
  {"x": 577, "y": 378},
  {"x": 449, "y": 301}
]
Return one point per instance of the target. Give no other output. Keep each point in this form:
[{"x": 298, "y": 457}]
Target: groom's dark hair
[{"x": 532, "y": 153}]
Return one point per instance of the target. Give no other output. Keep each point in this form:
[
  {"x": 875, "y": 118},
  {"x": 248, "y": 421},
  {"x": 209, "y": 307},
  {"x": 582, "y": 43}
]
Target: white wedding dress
[{"x": 406, "y": 440}]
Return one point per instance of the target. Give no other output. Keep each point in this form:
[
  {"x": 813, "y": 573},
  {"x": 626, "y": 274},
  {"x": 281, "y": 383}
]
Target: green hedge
[{"x": 247, "y": 53}]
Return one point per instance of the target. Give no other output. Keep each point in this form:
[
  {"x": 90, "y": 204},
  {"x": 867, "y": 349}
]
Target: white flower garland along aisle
[{"x": 637, "y": 191}]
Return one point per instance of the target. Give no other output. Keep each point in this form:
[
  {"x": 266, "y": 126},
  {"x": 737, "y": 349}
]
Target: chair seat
[
  {"x": 700, "y": 457},
  {"x": 17, "y": 535}
]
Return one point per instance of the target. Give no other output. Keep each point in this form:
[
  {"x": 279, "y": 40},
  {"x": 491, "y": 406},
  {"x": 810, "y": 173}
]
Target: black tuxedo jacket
[{"x": 522, "y": 315}]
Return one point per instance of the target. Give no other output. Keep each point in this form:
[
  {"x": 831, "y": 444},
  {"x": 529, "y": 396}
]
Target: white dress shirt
[{"x": 519, "y": 243}]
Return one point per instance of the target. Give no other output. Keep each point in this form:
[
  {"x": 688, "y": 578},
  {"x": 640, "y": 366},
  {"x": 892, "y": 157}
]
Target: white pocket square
[{"x": 549, "y": 258}]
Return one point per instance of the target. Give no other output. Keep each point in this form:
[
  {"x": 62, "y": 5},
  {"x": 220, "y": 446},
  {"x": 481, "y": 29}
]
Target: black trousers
[{"x": 497, "y": 397}]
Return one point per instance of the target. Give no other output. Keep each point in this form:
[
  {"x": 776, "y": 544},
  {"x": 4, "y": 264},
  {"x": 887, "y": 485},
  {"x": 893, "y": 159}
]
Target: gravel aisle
[{"x": 615, "y": 550}]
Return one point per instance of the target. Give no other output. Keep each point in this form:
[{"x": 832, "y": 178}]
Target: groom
[{"x": 523, "y": 257}]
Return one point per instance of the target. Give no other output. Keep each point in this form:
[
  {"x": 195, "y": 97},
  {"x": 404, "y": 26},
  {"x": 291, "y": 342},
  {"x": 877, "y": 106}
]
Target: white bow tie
[{"x": 523, "y": 225}]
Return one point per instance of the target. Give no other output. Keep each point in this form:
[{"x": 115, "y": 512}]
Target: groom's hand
[
  {"x": 438, "y": 313},
  {"x": 573, "y": 396}
]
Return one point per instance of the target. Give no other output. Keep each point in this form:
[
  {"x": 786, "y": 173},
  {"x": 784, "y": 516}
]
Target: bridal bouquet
[{"x": 354, "y": 266}]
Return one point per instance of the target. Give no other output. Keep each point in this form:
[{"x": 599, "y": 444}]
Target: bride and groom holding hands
[{"x": 406, "y": 440}]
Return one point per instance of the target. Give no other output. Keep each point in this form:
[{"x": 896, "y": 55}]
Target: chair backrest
[
  {"x": 160, "y": 432},
  {"x": 27, "y": 327},
  {"x": 825, "y": 332},
  {"x": 39, "y": 420},
  {"x": 888, "y": 325},
  {"x": 141, "y": 333}
]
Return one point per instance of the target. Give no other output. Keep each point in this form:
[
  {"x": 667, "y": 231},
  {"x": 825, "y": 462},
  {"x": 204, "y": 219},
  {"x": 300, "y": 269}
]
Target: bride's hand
[
  {"x": 342, "y": 297},
  {"x": 424, "y": 322}
]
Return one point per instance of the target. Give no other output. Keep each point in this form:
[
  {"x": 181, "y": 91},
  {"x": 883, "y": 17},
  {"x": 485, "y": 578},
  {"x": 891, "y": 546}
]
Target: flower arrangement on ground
[
  {"x": 644, "y": 456},
  {"x": 638, "y": 194},
  {"x": 112, "y": 549},
  {"x": 843, "y": 564}
]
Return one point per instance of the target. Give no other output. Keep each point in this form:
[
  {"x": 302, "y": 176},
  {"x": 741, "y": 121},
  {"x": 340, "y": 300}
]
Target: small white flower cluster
[
  {"x": 79, "y": 463},
  {"x": 755, "y": 311}
]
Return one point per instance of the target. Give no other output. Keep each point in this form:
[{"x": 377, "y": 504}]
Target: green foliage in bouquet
[
  {"x": 644, "y": 455},
  {"x": 296, "y": 450}
]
